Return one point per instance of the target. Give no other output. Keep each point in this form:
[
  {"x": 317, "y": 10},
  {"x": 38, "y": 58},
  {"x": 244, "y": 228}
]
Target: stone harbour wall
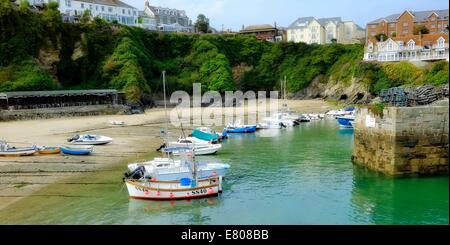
[
  {"x": 94, "y": 110},
  {"x": 403, "y": 141}
]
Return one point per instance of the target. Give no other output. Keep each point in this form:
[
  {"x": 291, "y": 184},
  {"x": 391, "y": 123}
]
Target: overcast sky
[{"x": 235, "y": 13}]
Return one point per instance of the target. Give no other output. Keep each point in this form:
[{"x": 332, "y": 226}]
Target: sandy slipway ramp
[{"x": 29, "y": 176}]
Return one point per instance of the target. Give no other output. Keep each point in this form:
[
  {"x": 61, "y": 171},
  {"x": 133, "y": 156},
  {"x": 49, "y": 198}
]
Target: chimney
[
  {"x": 275, "y": 25},
  {"x": 243, "y": 27}
]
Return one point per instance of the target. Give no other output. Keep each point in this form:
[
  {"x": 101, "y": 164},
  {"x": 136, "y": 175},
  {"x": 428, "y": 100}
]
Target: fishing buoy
[
  {"x": 158, "y": 193},
  {"x": 210, "y": 191},
  {"x": 171, "y": 195},
  {"x": 214, "y": 174},
  {"x": 146, "y": 192}
]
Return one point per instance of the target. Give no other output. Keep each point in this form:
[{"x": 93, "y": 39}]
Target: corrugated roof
[
  {"x": 5, "y": 95},
  {"x": 418, "y": 16}
]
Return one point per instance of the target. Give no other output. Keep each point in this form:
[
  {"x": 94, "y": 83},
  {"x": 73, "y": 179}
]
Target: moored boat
[
  {"x": 174, "y": 190},
  {"x": 237, "y": 128},
  {"x": 200, "y": 150},
  {"x": 49, "y": 150},
  {"x": 346, "y": 121},
  {"x": 77, "y": 149},
  {"x": 10, "y": 151},
  {"x": 89, "y": 139},
  {"x": 167, "y": 169},
  {"x": 206, "y": 134}
]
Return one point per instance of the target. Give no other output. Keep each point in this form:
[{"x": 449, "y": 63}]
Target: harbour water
[{"x": 294, "y": 176}]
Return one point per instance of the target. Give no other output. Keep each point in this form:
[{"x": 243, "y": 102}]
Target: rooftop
[
  {"x": 418, "y": 15},
  {"x": 116, "y": 3},
  {"x": 257, "y": 28}
]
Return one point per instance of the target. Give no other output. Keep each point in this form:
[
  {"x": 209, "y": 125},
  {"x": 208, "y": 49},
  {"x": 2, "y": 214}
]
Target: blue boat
[
  {"x": 346, "y": 121},
  {"x": 241, "y": 130},
  {"x": 77, "y": 150}
]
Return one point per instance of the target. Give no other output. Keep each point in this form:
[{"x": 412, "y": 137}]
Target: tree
[
  {"x": 86, "y": 17},
  {"x": 421, "y": 29},
  {"x": 334, "y": 40},
  {"x": 202, "y": 24},
  {"x": 381, "y": 37},
  {"x": 394, "y": 34}
]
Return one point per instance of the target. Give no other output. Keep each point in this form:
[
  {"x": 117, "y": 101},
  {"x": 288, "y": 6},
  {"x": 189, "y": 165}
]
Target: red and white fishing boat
[{"x": 174, "y": 190}]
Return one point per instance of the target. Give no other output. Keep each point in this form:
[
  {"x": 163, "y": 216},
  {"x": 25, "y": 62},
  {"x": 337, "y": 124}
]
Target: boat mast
[{"x": 165, "y": 106}]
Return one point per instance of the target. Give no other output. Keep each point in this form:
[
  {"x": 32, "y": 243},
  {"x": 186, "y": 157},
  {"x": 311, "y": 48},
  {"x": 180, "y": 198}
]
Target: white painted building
[
  {"x": 427, "y": 47},
  {"x": 167, "y": 19},
  {"x": 326, "y": 30},
  {"x": 109, "y": 10}
]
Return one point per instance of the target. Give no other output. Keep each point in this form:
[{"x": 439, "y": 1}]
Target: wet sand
[{"x": 137, "y": 140}]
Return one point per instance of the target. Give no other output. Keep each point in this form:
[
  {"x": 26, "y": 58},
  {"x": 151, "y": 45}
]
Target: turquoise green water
[{"x": 296, "y": 176}]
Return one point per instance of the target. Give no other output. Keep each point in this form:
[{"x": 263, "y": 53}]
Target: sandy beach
[{"x": 138, "y": 139}]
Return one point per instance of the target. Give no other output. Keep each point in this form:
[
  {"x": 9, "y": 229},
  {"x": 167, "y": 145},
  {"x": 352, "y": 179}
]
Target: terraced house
[
  {"x": 110, "y": 10},
  {"x": 167, "y": 19},
  {"x": 411, "y": 36},
  {"x": 325, "y": 30}
]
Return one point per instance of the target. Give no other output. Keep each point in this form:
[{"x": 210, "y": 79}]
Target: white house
[
  {"x": 411, "y": 48},
  {"x": 167, "y": 19},
  {"x": 325, "y": 30},
  {"x": 109, "y": 10}
]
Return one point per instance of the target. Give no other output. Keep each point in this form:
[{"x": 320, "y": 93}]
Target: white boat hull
[
  {"x": 199, "y": 150},
  {"x": 173, "y": 190},
  {"x": 17, "y": 153},
  {"x": 99, "y": 140}
]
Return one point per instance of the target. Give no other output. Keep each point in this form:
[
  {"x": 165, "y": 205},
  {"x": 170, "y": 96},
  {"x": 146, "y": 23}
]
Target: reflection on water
[{"x": 301, "y": 176}]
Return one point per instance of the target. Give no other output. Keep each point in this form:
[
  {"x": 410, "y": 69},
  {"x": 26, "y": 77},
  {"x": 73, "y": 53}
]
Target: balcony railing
[{"x": 418, "y": 57}]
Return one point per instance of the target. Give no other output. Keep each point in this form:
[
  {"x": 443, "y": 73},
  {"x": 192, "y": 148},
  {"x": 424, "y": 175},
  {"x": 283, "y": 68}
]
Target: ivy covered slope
[{"x": 39, "y": 52}]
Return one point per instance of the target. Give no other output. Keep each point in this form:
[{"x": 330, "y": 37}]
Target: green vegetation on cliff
[{"x": 38, "y": 52}]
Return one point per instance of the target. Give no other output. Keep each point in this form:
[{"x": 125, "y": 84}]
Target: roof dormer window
[
  {"x": 441, "y": 42},
  {"x": 411, "y": 44}
]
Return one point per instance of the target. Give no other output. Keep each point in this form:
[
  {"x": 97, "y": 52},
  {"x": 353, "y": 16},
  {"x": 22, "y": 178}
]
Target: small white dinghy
[
  {"x": 10, "y": 151},
  {"x": 200, "y": 147},
  {"x": 89, "y": 139},
  {"x": 117, "y": 123}
]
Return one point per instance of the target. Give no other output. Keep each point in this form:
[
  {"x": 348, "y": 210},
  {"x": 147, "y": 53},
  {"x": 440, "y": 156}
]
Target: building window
[
  {"x": 373, "y": 34},
  {"x": 123, "y": 11},
  {"x": 392, "y": 25},
  {"x": 405, "y": 24},
  {"x": 390, "y": 47},
  {"x": 411, "y": 44},
  {"x": 134, "y": 12},
  {"x": 433, "y": 18},
  {"x": 433, "y": 26},
  {"x": 405, "y": 31},
  {"x": 96, "y": 7},
  {"x": 129, "y": 12},
  {"x": 103, "y": 8},
  {"x": 90, "y": 6},
  {"x": 441, "y": 42},
  {"x": 68, "y": 3},
  {"x": 82, "y": 6},
  {"x": 110, "y": 9},
  {"x": 373, "y": 26}
]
